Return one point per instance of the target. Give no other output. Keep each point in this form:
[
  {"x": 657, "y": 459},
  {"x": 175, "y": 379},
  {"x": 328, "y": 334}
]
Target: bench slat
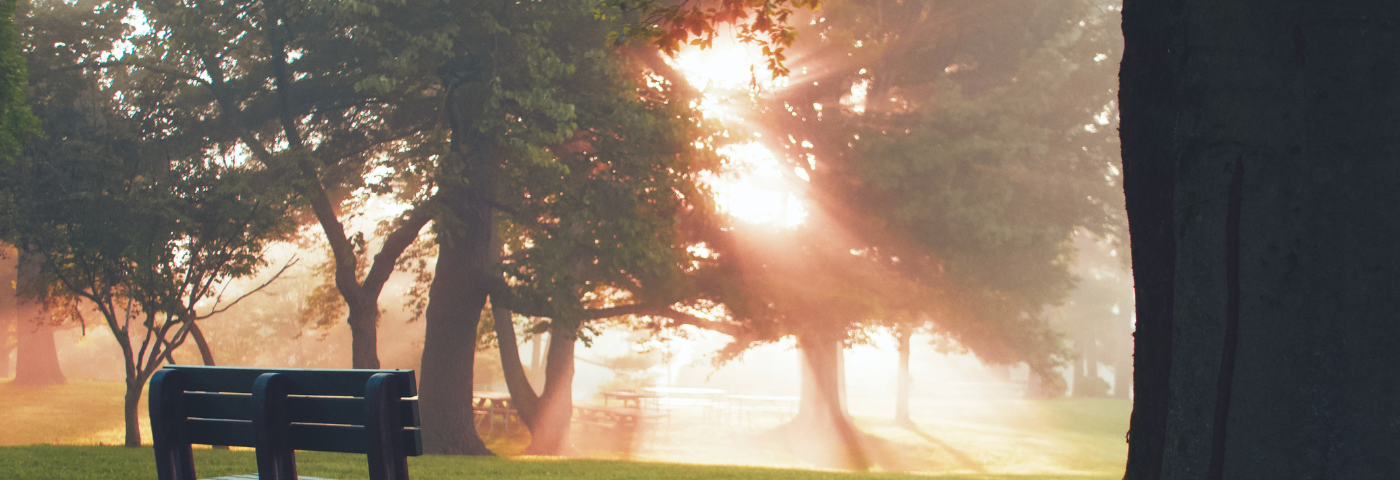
[
  {"x": 236, "y": 433},
  {"x": 340, "y": 383},
  {"x": 300, "y": 409},
  {"x": 322, "y": 438},
  {"x": 342, "y": 410},
  {"x": 227, "y": 406},
  {"x": 346, "y": 439}
]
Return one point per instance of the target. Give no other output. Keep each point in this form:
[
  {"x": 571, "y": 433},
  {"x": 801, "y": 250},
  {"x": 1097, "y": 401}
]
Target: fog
[{"x": 931, "y": 186}]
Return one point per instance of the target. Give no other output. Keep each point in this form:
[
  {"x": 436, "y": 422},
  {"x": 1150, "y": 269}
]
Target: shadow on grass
[{"x": 959, "y": 455}]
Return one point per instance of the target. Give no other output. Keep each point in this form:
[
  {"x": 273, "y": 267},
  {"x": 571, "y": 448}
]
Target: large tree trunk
[
  {"x": 456, "y": 299},
  {"x": 821, "y": 412},
  {"x": 1259, "y": 144},
  {"x": 1147, "y": 106},
  {"x": 522, "y": 395},
  {"x": 551, "y": 433},
  {"x": 36, "y": 357},
  {"x": 902, "y": 378}
]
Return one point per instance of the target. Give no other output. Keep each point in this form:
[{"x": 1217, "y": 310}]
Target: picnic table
[
  {"x": 493, "y": 408},
  {"x": 615, "y": 418},
  {"x": 627, "y": 398},
  {"x": 747, "y": 406}
]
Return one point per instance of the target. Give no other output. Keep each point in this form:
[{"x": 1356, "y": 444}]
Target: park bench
[{"x": 279, "y": 411}]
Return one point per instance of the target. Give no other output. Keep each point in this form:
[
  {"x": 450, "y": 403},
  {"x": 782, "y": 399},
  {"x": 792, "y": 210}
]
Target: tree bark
[
  {"x": 522, "y": 395},
  {"x": 206, "y": 354},
  {"x": 36, "y": 357},
  {"x": 131, "y": 403},
  {"x": 551, "y": 433},
  {"x": 902, "y": 379},
  {"x": 455, "y": 302},
  {"x": 1258, "y": 146},
  {"x": 1151, "y": 52},
  {"x": 363, "y": 317}
]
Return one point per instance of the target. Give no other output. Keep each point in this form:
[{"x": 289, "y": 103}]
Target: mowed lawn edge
[{"x": 46, "y": 462}]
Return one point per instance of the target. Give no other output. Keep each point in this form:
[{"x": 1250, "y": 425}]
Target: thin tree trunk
[
  {"x": 902, "y": 378},
  {"x": 206, "y": 354},
  {"x": 130, "y": 408},
  {"x": 1086, "y": 367},
  {"x": 556, "y": 408},
  {"x": 522, "y": 395}
]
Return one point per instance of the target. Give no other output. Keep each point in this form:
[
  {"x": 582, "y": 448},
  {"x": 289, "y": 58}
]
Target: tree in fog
[
  {"x": 300, "y": 87},
  {"x": 1097, "y": 318},
  {"x": 955, "y": 147},
  {"x": 458, "y": 113},
  {"x": 143, "y": 228},
  {"x": 1259, "y": 169}
]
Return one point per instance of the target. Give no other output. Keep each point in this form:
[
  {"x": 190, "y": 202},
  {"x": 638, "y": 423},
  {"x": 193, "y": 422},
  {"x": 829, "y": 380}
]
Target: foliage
[
  {"x": 16, "y": 120},
  {"x": 145, "y": 226},
  {"x": 669, "y": 25}
]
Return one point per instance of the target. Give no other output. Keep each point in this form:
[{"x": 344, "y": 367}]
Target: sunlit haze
[{"x": 753, "y": 186}]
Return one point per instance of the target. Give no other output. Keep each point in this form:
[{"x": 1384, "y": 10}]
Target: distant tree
[
  {"x": 944, "y": 144},
  {"x": 1097, "y": 318},
  {"x": 36, "y": 354}
]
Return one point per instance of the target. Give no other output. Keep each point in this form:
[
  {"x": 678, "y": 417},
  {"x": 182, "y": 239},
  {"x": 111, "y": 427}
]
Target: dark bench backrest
[{"x": 279, "y": 411}]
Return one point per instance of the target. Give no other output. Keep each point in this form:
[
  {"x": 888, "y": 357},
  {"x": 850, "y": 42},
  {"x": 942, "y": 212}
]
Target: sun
[{"x": 752, "y": 185}]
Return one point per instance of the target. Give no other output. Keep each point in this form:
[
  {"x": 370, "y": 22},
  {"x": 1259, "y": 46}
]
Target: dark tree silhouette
[{"x": 1258, "y": 150}]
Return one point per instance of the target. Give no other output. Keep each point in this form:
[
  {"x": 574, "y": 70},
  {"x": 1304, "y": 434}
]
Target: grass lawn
[
  {"x": 963, "y": 439},
  {"x": 117, "y": 463}
]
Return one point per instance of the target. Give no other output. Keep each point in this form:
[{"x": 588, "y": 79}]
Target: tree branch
[
  {"x": 394, "y": 245},
  {"x": 240, "y": 298}
]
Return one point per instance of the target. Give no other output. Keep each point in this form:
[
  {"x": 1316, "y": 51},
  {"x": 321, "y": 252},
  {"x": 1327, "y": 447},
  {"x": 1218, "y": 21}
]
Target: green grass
[
  {"x": 955, "y": 439},
  {"x": 46, "y": 462}
]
